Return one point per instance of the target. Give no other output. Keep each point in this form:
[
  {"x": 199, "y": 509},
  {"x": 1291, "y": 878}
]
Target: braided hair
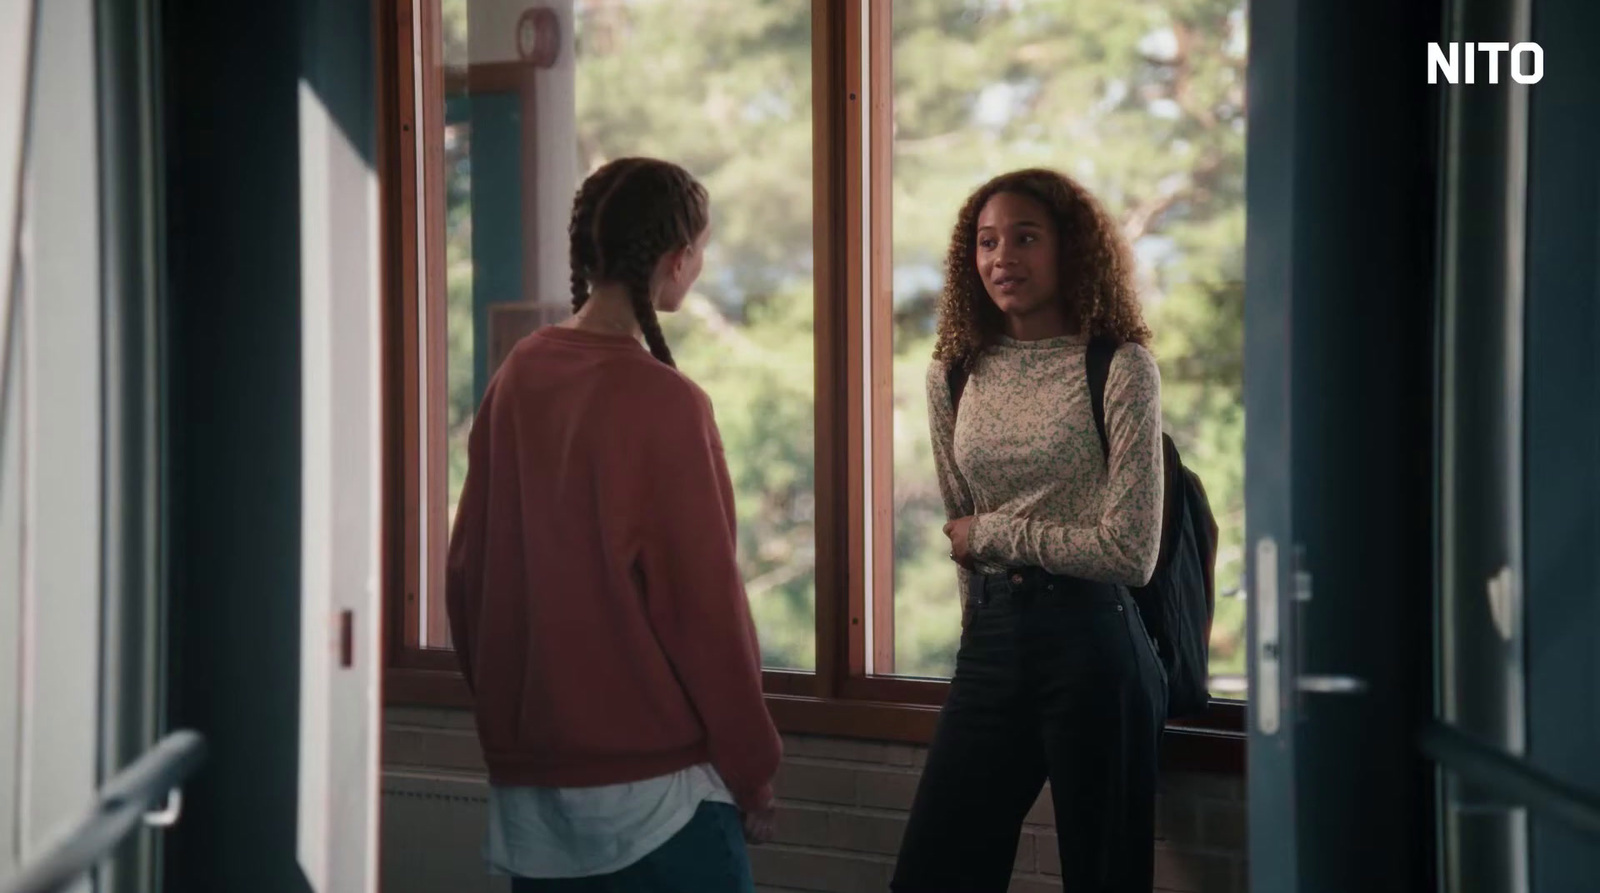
[{"x": 625, "y": 216}]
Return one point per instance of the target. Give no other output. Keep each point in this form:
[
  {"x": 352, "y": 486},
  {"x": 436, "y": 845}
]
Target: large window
[
  {"x": 724, "y": 88},
  {"x": 1143, "y": 102},
  {"x": 837, "y": 139},
  {"x": 511, "y": 140}
]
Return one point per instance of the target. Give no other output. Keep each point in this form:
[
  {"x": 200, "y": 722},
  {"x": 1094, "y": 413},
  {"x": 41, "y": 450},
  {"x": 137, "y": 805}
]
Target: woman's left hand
[{"x": 960, "y": 551}]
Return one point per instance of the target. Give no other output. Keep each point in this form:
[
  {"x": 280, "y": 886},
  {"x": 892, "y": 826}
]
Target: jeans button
[{"x": 1119, "y": 609}]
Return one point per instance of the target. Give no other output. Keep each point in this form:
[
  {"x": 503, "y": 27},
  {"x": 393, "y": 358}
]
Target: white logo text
[{"x": 1525, "y": 62}]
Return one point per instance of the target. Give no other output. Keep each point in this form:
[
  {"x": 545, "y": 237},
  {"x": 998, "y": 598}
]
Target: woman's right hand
[
  {"x": 960, "y": 548},
  {"x": 761, "y": 824}
]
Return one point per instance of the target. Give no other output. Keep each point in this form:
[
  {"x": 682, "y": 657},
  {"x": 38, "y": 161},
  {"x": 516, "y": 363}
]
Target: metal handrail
[
  {"x": 1511, "y": 778},
  {"x": 127, "y": 798}
]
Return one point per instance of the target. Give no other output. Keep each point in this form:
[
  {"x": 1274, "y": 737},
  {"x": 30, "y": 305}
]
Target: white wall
[{"x": 50, "y": 460}]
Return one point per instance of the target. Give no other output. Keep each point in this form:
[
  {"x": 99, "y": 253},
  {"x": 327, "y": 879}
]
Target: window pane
[
  {"x": 447, "y": 331},
  {"x": 722, "y": 87},
  {"x": 1143, "y": 102}
]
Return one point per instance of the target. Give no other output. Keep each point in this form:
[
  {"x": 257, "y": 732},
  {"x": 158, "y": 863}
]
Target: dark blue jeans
[
  {"x": 707, "y": 856},
  {"x": 1055, "y": 677}
]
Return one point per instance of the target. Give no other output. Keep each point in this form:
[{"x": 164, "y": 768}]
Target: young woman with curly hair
[
  {"x": 1056, "y": 676},
  {"x": 594, "y": 595}
]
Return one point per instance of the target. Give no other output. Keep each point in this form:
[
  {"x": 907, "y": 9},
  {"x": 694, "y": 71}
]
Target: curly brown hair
[
  {"x": 626, "y": 215},
  {"x": 1096, "y": 272}
]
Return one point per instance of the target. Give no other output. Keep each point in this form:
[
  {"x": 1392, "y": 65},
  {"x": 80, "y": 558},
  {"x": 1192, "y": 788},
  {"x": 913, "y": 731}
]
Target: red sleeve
[
  {"x": 697, "y": 601},
  {"x": 463, "y": 585}
]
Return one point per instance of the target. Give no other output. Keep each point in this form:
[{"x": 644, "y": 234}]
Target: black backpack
[{"x": 1178, "y": 603}]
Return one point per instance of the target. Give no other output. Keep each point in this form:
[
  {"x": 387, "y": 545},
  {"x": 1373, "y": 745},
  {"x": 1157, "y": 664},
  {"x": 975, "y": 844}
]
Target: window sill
[
  {"x": 1213, "y": 744},
  {"x": 1190, "y": 747}
]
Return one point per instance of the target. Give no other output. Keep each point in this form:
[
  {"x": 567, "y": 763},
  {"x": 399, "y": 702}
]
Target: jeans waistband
[{"x": 1030, "y": 582}]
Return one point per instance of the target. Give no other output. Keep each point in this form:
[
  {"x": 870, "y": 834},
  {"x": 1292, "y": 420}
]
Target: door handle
[
  {"x": 1331, "y": 685},
  {"x": 1268, "y": 699},
  {"x": 1314, "y": 683}
]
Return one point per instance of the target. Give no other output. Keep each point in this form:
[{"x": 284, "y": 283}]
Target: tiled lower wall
[{"x": 842, "y": 810}]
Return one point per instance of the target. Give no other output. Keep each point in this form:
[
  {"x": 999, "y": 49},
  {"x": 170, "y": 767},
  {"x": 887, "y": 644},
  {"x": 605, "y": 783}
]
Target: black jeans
[{"x": 1056, "y": 677}]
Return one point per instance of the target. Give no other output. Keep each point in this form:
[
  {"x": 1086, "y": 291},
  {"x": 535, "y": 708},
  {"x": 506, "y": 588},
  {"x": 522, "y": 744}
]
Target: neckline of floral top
[{"x": 1043, "y": 343}]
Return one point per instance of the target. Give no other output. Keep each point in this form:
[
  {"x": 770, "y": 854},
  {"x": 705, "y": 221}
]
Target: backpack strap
[
  {"x": 1098, "y": 366},
  {"x": 955, "y": 378}
]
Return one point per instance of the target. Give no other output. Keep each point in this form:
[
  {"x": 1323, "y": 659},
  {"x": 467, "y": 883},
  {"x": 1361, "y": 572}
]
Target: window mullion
[
  {"x": 836, "y": 83},
  {"x": 879, "y": 214}
]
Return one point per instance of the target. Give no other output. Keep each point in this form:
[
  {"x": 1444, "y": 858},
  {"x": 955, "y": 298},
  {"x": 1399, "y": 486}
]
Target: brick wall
[
  {"x": 844, "y": 807},
  {"x": 842, "y": 810}
]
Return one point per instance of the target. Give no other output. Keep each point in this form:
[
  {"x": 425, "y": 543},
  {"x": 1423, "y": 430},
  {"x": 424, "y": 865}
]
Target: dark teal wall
[
  {"x": 1561, "y": 463},
  {"x": 231, "y": 407}
]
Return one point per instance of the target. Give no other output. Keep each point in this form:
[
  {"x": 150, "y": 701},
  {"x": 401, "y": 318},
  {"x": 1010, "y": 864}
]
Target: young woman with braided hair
[{"x": 595, "y": 601}]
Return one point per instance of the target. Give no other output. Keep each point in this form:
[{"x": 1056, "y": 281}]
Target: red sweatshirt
[{"x": 594, "y": 596}]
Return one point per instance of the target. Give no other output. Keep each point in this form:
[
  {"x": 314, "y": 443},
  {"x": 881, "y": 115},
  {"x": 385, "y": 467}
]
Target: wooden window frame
[{"x": 853, "y": 157}]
